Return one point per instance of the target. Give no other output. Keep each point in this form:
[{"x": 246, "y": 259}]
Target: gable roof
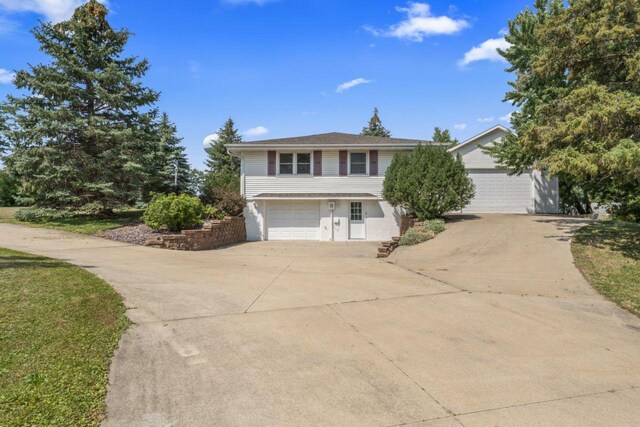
[
  {"x": 478, "y": 136},
  {"x": 336, "y": 139}
]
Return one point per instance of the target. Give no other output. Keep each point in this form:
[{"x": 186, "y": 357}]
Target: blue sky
[{"x": 293, "y": 67}]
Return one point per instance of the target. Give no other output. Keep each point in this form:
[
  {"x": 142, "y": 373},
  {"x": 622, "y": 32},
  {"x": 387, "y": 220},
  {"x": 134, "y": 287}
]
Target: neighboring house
[{"x": 329, "y": 186}]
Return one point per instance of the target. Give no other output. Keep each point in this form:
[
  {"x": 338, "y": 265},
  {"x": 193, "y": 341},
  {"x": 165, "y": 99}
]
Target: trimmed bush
[
  {"x": 228, "y": 201},
  {"x": 40, "y": 214},
  {"x": 415, "y": 236},
  {"x": 428, "y": 182},
  {"x": 211, "y": 212},
  {"x": 174, "y": 213},
  {"x": 436, "y": 226}
]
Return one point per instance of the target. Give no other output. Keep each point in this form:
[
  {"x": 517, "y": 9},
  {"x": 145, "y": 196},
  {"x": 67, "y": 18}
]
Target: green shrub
[
  {"x": 436, "y": 226},
  {"x": 429, "y": 182},
  {"x": 175, "y": 213},
  {"x": 94, "y": 209},
  {"x": 415, "y": 236},
  {"x": 228, "y": 201},
  {"x": 211, "y": 212},
  {"x": 40, "y": 214}
]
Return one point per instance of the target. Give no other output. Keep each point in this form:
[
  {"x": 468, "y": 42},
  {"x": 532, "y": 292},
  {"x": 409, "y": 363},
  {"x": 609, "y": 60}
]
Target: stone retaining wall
[
  {"x": 406, "y": 223},
  {"x": 214, "y": 234}
]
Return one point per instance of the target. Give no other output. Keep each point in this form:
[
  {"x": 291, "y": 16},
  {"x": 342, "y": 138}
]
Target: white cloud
[
  {"x": 353, "y": 83},
  {"x": 6, "y": 76},
  {"x": 460, "y": 126},
  {"x": 53, "y": 10},
  {"x": 210, "y": 139},
  {"x": 256, "y": 131},
  {"x": 486, "y": 119},
  {"x": 485, "y": 51},
  {"x": 420, "y": 23},
  {"x": 506, "y": 117}
]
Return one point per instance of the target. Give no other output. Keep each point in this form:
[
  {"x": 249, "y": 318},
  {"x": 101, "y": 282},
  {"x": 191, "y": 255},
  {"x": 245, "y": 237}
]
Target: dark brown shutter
[
  {"x": 373, "y": 162},
  {"x": 271, "y": 163},
  {"x": 344, "y": 170},
  {"x": 317, "y": 163}
]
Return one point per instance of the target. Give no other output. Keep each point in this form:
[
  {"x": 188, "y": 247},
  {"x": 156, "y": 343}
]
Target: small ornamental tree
[
  {"x": 375, "y": 128},
  {"x": 428, "y": 182}
]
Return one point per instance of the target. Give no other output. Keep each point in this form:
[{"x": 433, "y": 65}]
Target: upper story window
[
  {"x": 286, "y": 163},
  {"x": 295, "y": 164},
  {"x": 303, "y": 164},
  {"x": 358, "y": 163}
]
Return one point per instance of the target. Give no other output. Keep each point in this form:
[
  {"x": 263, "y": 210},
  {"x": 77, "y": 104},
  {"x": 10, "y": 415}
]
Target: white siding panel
[
  {"x": 330, "y": 163},
  {"x": 255, "y": 163},
  {"x": 326, "y": 184},
  {"x": 474, "y": 158},
  {"x": 547, "y": 193},
  {"x": 384, "y": 160}
]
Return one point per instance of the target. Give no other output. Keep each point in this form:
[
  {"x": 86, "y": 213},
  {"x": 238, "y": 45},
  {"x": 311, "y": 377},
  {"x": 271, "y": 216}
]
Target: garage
[
  {"x": 498, "y": 192},
  {"x": 299, "y": 220}
]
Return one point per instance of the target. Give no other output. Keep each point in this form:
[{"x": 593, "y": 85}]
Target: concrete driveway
[{"x": 489, "y": 324}]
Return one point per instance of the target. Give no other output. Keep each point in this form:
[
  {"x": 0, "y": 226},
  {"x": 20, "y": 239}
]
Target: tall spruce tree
[
  {"x": 223, "y": 169},
  {"x": 375, "y": 128},
  {"x": 577, "y": 83},
  {"x": 84, "y": 131},
  {"x": 443, "y": 137},
  {"x": 169, "y": 155}
]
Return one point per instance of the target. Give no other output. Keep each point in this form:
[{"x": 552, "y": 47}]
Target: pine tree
[
  {"x": 170, "y": 153},
  {"x": 443, "y": 137},
  {"x": 84, "y": 131},
  {"x": 375, "y": 127},
  {"x": 223, "y": 169},
  {"x": 576, "y": 69}
]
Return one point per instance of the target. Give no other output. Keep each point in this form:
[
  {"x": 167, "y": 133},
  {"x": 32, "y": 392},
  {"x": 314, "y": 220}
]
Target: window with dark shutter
[
  {"x": 344, "y": 167},
  {"x": 271, "y": 163},
  {"x": 373, "y": 163},
  {"x": 317, "y": 163}
]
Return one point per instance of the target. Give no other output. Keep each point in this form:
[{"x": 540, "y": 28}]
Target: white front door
[{"x": 356, "y": 221}]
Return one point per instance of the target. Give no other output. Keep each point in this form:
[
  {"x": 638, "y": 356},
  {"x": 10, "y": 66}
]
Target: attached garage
[
  {"x": 498, "y": 192},
  {"x": 293, "y": 220}
]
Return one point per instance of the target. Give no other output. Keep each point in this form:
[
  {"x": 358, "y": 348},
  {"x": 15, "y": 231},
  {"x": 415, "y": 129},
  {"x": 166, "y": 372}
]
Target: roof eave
[
  {"x": 263, "y": 147},
  {"x": 478, "y": 136}
]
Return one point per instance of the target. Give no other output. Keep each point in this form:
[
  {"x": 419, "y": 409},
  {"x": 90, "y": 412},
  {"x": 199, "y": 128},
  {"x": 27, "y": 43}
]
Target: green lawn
[
  {"x": 59, "y": 326},
  {"x": 608, "y": 254},
  {"x": 78, "y": 224}
]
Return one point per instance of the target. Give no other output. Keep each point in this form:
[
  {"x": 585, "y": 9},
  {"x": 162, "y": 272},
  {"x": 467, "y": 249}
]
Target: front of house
[{"x": 329, "y": 186}]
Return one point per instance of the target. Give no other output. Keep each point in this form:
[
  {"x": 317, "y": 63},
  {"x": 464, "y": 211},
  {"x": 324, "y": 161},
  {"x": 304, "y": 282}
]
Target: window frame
[
  {"x": 366, "y": 163},
  {"x": 294, "y": 163}
]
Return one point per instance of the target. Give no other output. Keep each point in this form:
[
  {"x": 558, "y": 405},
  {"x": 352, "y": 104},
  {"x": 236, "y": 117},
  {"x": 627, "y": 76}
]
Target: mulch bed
[{"x": 136, "y": 234}]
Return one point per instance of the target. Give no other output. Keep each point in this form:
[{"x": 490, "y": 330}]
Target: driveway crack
[
  {"x": 269, "y": 285},
  {"x": 448, "y": 411}
]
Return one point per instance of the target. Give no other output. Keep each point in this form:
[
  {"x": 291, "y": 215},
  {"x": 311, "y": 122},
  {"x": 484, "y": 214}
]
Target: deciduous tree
[{"x": 577, "y": 83}]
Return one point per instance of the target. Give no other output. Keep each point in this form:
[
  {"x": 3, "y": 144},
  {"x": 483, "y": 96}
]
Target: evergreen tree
[
  {"x": 223, "y": 169},
  {"x": 577, "y": 83},
  {"x": 375, "y": 127},
  {"x": 170, "y": 153},
  {"x": 84, "y": 131},
  {"x": 443, "y": 137}
]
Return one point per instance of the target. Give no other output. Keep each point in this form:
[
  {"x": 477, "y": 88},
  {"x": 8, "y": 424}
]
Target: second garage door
[
  {"x": 293, "y": 220},
  {"x": 498, "y": 192}
]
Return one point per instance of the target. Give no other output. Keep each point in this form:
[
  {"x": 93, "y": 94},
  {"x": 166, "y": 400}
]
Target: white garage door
[
  {"x": 497, "y": 192},
  {"x": 293, "y": 220}
]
